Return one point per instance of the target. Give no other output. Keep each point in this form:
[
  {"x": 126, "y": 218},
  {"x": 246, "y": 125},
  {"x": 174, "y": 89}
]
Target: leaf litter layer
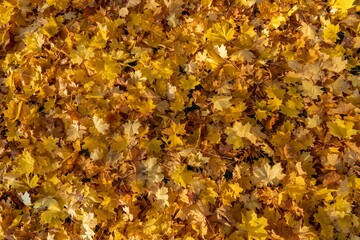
[{"x": 179, "y": 119}]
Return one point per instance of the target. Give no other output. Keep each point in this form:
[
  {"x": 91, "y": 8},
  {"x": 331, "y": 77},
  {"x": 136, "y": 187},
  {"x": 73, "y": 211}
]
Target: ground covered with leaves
[{"x": 179, "y": 119}]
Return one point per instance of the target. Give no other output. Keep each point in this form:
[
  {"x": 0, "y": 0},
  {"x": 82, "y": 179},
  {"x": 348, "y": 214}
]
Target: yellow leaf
[
  {"x": 342, "y": 5},
  {"x": 59, "y": 4},
  {"x": 274, "y": 104},
  {"x": 155, "y": 145},
  {"x": 25, "y": 163},
  {"x": 276, "y": 22},
  {"x": 221, "y": 102},
  {"x": 147, "y": 107},
  {"x": 131, "y": 128},
  {"x": 75, "y": 131},
  {"x": 330, "y": 32},
  {"x": 182, "y": 176},
  {"x": 237, "y": 133},
  {"x": 209, "y": 195},
  {"x": 310, "y": 89},
  {"x": 236, "y": 189},
  {"x": 50, "y": 28},
  {"x": 100, "y": 39},
  {"x": 100, "y": 125},
  {"x": 341, "y": 129},
  {"x": 82, "y": 53},
  {"x": 175, "y": 129},
  {"x": 265, "y": 174},
  {"x": 13, "y": 110},
  {"x": 34, "y": 41},
  {"x": 254, "y": 226},
  {"x": 220, "y": 33},
  {"x": 6, "y": 10},
  {"x": 221, "y": 51},
  {"x": 189, "y": 83}
]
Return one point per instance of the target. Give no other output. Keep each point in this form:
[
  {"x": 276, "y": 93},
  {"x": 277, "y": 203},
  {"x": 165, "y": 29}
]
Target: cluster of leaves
[{"x": 179, "y": 119}]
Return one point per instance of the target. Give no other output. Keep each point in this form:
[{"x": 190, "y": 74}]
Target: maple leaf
[
  {"x": 34, "y": 41},
  {"x": 342, "y": 5},
  {"x": 7, "y": 10},
  {"x": 25, "y": 163},
  {"x": 265, "y": 174},
  {"x": 60, "y": 4},
  {"x": 162, "y": 196},
  {"x": 82, "y": 53},
  {"x": 87, "y": 226},
  {"x": 220, "y": 33},
  {"x": 75, "y": 131},
  {"x": 189, "y": 83},
  {"x": 330, "y": 32},
  {"x": 236, "y": 189},
  {"x": 254, "y": 226},
  {"x": 221, "y": 50},
  {"x": 308, "y": 30},
  {"x": 131, "y": 128},
  {"x": 13, "y": 110},
  {"x": 237, "y": 132},
  {"x": 100, "y": 125},
  {"x": 50, "y": 28},
  {"x": 341, "y": 129},
  {"x": 336, "y": 64},
  {"x": 311, "y": 90},
  {"x": 243, "y": 55},
  {"x": 100, "y": 39},
  {"x": 153, "y": 171},
  {"x": 221, "y": 102},
  {"x": 25, "y": 198},
  {"x": 182, "y": 176},
  {"x": 198, "y": 222}
]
